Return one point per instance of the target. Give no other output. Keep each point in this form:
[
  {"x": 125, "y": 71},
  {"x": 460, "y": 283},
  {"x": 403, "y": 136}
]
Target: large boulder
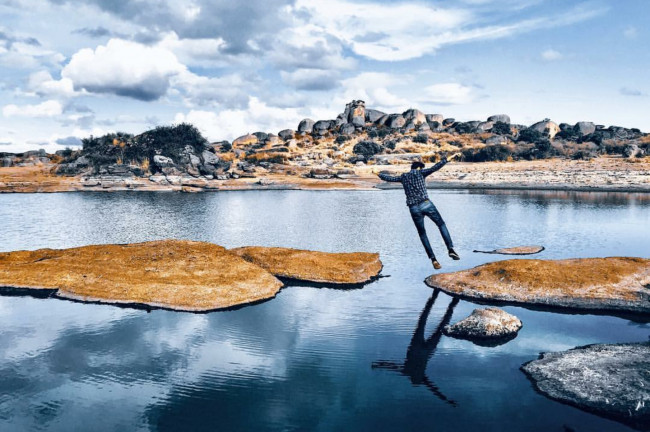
[
  {"x": 435, "y": 118},
  {"x": 323, "y": 267},
  {"x": 615, "y": 284},
  {"x": 355, "y": 113},
  {"x": 448, "y": 122},
  {"x": 286, "y": 134},
  {"x": 546, "y": 127},
  {"x": 245, "y": 140},
  {"x": 414, "y": 115},
  {"x": 395, "y": 121},
  {"x": 322, "y": 126},
  {"x": 499, "y": 118},
  {"x": 612, "y": 381},
  {"x": 347, "y": 129},
  {"x": 7, "y": 161},
  {"x": 485, "y": 324},
  {"x": 306, "y": 126},
  {"x": 584, "y": 128},
  {"x": 373, "y": 115},
  {"x": 173, "y": 274}
]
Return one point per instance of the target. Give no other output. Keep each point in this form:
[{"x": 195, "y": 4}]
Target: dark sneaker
[
  {"x": 436, "y": 264},
  {"x": 453, "y": 255}
]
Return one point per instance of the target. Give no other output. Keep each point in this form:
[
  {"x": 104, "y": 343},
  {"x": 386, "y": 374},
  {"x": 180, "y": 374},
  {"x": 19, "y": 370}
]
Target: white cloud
[
  {"x": 124, "y": 68},
  {"x": 49, "y": 108},
  {"x": 449, "y": 94},
  {"x": 194, "y": 51},
  {"x": 551, "y": 55},
  {"x": 373, "y": 88},
  {"x": 402, "y": 31},
  {"x": 231, "y": 123},
  {"x": 42, "y": 84}
]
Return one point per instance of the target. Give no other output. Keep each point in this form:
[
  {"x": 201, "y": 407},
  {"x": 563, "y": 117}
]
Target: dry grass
[
  {"x": 175, "y": 274},
  {"x": 340, "y": 268},
  {"x": 616, "y": 281}
]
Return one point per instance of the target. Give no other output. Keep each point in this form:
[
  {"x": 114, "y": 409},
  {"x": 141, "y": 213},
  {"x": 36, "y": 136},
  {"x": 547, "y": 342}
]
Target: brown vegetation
[
  {"x": 339, "y": 268},
  {"x": 175, "y": 274},
  {"x": 592, "y": 283}
]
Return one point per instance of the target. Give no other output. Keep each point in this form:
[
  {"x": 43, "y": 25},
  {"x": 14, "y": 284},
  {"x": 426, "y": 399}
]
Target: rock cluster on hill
[{"x": 327, "y": 148}]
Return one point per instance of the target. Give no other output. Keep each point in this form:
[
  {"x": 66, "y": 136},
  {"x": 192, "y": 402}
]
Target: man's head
[{"x": 417, "y": 165}]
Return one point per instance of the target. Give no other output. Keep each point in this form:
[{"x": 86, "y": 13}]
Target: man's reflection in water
[{"x": 420, "y": 350}]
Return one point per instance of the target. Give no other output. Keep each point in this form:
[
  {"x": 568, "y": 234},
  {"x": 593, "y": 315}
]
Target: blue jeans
[{"x": 418, "y": 212}]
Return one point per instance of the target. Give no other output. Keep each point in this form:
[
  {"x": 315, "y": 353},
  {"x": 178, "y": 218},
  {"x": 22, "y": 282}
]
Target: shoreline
[{"x": 598, "y": 175}]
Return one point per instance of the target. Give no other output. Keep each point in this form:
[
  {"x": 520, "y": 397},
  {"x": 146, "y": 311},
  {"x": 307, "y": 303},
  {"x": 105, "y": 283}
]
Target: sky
[{"x": 74, "y": 68}]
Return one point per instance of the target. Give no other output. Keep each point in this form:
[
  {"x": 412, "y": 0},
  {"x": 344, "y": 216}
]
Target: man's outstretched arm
[
  {"x": 427, "y": 171},
  {"x": 389, "y": 178}
]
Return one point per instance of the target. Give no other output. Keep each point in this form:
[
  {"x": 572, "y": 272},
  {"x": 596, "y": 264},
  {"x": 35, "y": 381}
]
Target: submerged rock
[
  {"x": 321, "y": 267},
  {"x": 612, "y": 284},
  {"x": 517, "y": 250},
  {"x": 609, "y": 380},
  {"x": 489, "y": 323},
  {"x": 173, "y": 274}
]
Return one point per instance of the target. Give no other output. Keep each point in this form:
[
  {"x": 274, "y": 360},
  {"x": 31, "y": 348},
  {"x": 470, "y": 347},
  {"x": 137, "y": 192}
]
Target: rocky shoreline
[{"x": 601, "y": 174}]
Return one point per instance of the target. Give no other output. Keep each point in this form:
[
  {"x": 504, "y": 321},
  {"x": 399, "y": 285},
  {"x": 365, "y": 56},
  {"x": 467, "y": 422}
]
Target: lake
[{"x": 313, "y": 358}]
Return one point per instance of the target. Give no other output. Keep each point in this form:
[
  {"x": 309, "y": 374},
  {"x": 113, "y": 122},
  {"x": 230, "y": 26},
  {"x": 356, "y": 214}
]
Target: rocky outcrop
[
  {"x": 504, "y": 118},
  {"x": 609, "y": 380},
  {"x": 321, "y": 267},
  {"x": 306, "y": 126},
  {"x": 177, "y": 274},
  {"x": 546, "y": 127},
  {"x": 174, "y": 274},
  {"x": 244, "y": 140},
  {"x": 610, "y": 284},
  {"x": 485, "y": 324},
  {"x": 584, "y": 128}
]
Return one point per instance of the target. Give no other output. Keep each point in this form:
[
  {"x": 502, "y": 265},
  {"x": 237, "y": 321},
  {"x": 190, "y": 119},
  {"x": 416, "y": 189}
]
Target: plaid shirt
[{"x": 414, "y": 182}]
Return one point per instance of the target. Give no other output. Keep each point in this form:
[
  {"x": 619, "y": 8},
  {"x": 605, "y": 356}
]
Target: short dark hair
[{"x": 417, "y": 165}]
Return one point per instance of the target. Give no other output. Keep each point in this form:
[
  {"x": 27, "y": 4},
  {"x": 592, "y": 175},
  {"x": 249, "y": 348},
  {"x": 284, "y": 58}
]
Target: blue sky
[{"x": 72, "y": 68}]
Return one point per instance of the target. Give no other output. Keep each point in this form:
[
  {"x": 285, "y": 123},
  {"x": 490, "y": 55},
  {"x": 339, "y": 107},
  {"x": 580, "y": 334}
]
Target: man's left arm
[{"x": 428, "y": 171}]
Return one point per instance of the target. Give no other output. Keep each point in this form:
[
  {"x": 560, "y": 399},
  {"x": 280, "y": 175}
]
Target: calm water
[{"x": 312, "y": 358}]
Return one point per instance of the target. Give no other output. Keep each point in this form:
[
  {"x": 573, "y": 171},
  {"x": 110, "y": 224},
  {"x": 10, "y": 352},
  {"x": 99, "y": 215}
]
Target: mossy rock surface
[{"x": 611, "y": 284}]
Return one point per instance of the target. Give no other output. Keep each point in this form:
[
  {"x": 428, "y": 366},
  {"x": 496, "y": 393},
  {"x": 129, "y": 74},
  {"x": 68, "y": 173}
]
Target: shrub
[
  {"x": 421, "y": 138},
  {"x": 501, "y": 128},
  {"x": 366, "y": 148},
  {"x": 390, "y": 144},
  {"x": 341, "y": 139},
  {"x": 488, "y": 154},
  {"x": 464, "y": 128},
  {"x": 530, "y": 135}
]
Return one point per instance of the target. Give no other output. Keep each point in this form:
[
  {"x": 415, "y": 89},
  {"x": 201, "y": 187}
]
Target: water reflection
[{"x": 421, "y": 350}]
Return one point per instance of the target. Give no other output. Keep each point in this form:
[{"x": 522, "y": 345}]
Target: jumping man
[{"x": 417, "y": 200}]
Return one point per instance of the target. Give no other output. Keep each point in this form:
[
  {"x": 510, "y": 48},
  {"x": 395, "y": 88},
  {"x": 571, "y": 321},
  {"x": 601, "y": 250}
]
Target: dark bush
[
  {"x": 366, "y": 148},
  {"x": 501, "y": 128},
  {"x": 169, "y": 141},
  {"x": 530, "y": 135},
  {"x": 487, "y": 154},
  {"x": 421, "y": 138},
  {"x": 226, "y": 146},
  {"x": 341, "y": 139},
  {"x": 390, "y": 144},
  {"x": 464, "y": 128}
]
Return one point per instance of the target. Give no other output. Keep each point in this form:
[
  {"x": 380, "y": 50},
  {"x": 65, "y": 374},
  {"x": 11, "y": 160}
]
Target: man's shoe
[
  {"x": 436, "y": 264},
  {"x": 453, "y": 255}
]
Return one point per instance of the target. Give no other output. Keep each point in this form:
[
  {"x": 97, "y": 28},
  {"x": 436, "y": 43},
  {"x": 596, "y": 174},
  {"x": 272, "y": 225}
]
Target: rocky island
[
  {"x": 616, "y": 284},
  {"x": 172, "y": 274},
  {"x": 345, "y": 152}
]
